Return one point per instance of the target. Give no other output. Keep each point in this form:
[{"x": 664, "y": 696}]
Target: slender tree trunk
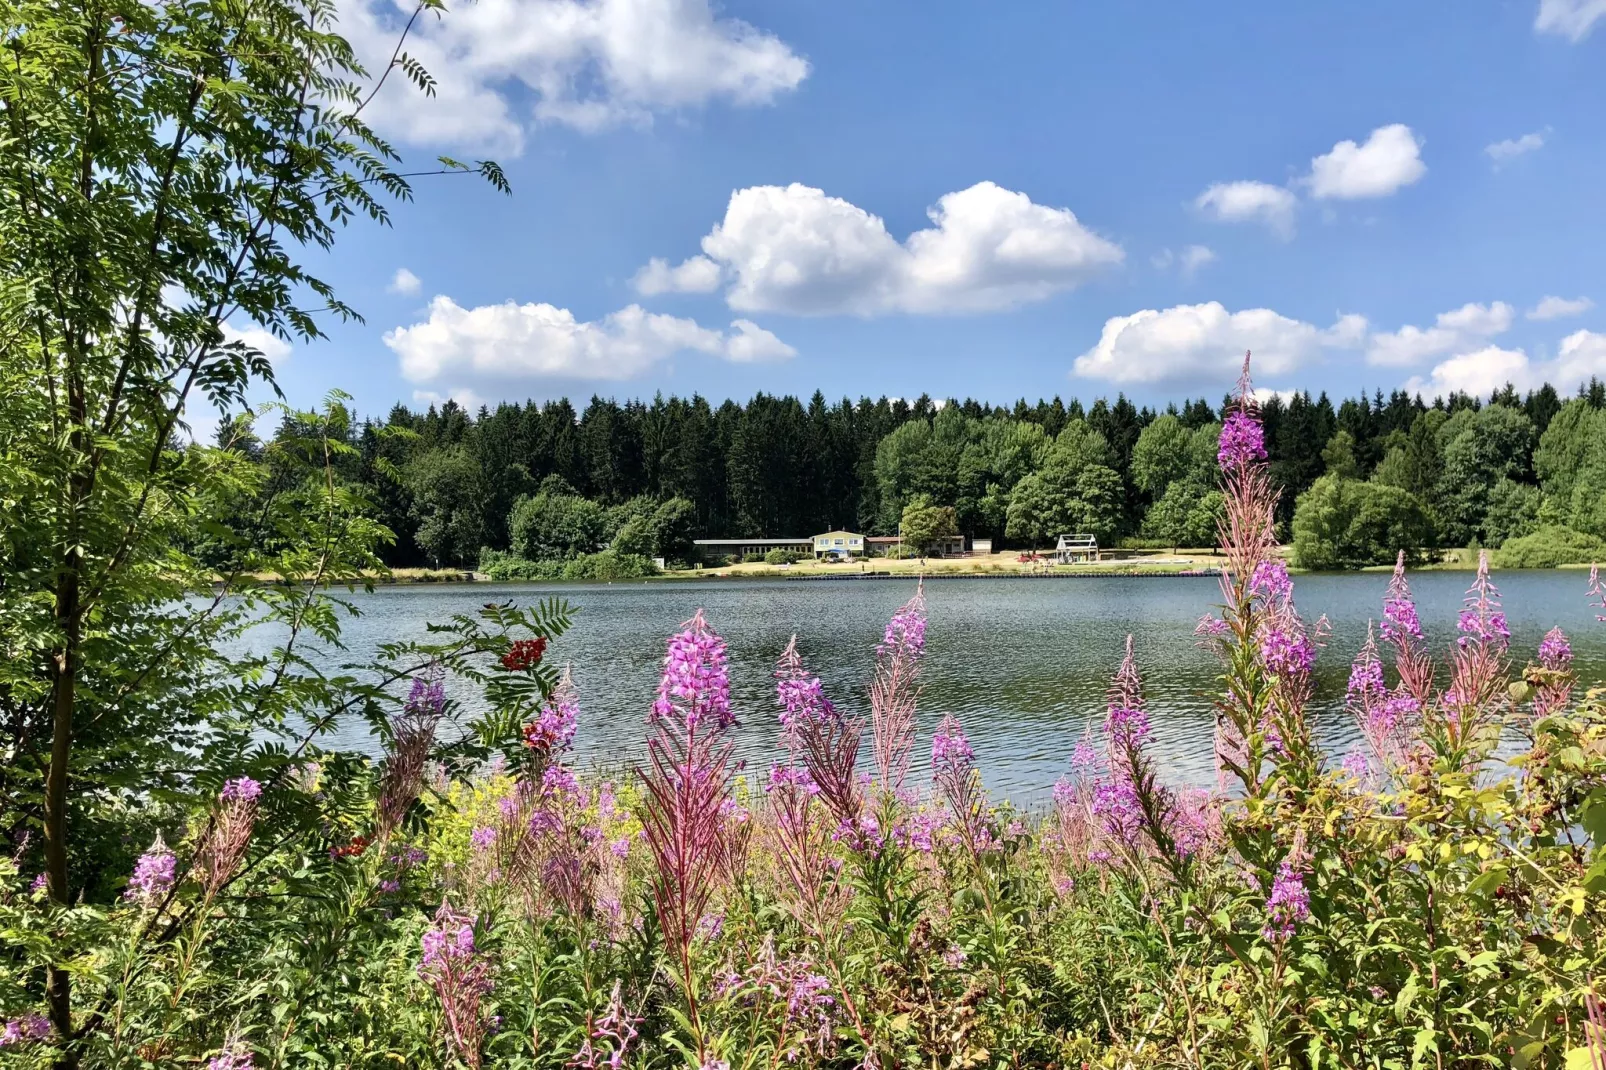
[{"x": 65, "y": 667}]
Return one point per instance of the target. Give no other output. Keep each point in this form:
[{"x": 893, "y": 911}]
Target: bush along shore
[{"x": 470, "y": 901}]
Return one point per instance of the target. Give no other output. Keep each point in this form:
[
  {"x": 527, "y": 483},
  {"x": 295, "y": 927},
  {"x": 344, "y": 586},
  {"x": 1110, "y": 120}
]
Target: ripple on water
[{"x": 1022, "y": 663}]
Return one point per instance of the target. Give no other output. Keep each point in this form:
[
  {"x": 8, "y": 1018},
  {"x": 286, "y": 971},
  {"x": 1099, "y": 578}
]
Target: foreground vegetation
[
  {"x": 472, "y": 902},
  {"x": 195, "y": 870}
]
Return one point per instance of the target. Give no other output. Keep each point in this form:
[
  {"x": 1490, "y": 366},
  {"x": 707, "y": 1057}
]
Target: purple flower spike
[
  {"x": 153, "y": 874},
  {"x": 25, "y": 1030},
  {"x": 1288, "y": 905},
  {"x": 1271, "y": 581},
  {"x": 242, "y": 788},
  {"x": 1243, "y": 440},
  {"x": 1555, "y": 652},
  {"x": 695, "y": 684}
]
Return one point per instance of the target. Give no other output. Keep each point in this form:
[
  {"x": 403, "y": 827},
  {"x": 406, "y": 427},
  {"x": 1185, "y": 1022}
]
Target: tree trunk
[{"x": 65, "y": 666}]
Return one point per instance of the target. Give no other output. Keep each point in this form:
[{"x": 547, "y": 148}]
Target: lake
[{"x": 1022, "y": 662}]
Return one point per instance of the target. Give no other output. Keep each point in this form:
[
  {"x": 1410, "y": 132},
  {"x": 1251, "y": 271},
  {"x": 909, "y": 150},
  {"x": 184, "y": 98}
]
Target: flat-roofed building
[{"x": 744, "y": 547}]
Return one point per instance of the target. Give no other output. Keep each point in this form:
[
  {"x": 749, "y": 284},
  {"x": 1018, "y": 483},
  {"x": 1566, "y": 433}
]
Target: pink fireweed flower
[
  {"x": 412, "y": 733},
  {"x": 1357, "y": 765},
  {"x": 813, "y": 729},
  {"x": 1288, "y": 904},
  {"x": 951, "y": 753},
  {"x": 687, "y": 785},
  {"x": 801, "y": 696},
  {"x": 1286, "y": 651},
  {"x": 242, "y": 788},
  {"x": 790, "y": 776},
  {"x": 1596, "y": 591},
  {"x": 1366, "y": 685},
  {"x": 483, "y": 838},
  {"x": 1211, "y": 626},
  {"x": 1555, "y": 653},
  {"x": 28, "y": 1029},
  {"x": 153, "y": 874},
  {"x": 554, "y": 727},
  {"x": 1481, "y": 620},
  {"x": 460, "y": 976},
  {"x": 228, "y": 834},
  {"x": 1243, "y": 440},
  {"x": 607, "y": 1041},
  {"x": 1270, "y": 581},
  {"x": 1555, "y": 685},
  {"x": 695, "y": 684},
  {"x": 953, "y": 765},
  {"x": 1115, "y": 804},
  {"x": 895, "y": 689},
  {"x": 1400, "y": 624}
]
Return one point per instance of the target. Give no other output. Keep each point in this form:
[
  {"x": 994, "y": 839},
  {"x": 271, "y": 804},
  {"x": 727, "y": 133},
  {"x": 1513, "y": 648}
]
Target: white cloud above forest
[
  {"x": 458, "y": 349},
  {"x": 1462, "y": 329},
  {"x": 1197, "y": 344},
  {"x": 1580, "y": 357},
  {"x": 501, "y": 66},
  {"x": 794, "y": 249}
]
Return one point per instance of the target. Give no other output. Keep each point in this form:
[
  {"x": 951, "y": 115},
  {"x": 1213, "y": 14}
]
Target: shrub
[
  {"x": 504, "y": 567},
  {"x": 1550, "y": 546},
  {"x": 609, "y": 565},
  {"x": 1344, "y": 523},
  {"x": 779, "y": 556}
]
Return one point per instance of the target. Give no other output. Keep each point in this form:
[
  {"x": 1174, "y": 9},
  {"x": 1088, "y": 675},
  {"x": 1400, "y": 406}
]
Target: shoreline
[{"x": 1183, "y": 565}]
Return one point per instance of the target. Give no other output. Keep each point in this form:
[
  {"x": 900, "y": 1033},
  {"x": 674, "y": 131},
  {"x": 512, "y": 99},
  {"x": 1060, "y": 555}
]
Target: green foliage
[
  {"x": 782, "y": 556},
  {"x": 1513, "y": 511},
  {"x": 1481, "y": 448},
  {"x": 1345, "y": 523},
  {"x": 1549, "y": 546},
  {"x": 1186, "y": 515},
  {"x": 924, "y": 524},
  {"x": 557, "y": 526},
  {"x": 446, "y": 496}
]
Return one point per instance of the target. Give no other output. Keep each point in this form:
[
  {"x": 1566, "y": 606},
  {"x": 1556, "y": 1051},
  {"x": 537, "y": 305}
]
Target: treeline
[{"x": 548, "y": 482}]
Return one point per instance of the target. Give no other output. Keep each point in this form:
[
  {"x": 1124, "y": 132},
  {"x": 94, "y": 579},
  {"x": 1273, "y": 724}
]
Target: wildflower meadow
[{"x": 473, "y": 899}]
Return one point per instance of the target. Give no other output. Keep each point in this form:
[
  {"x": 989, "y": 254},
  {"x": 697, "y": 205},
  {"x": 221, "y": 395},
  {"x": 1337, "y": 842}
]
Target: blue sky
[{"x": 1103, "y": 197}]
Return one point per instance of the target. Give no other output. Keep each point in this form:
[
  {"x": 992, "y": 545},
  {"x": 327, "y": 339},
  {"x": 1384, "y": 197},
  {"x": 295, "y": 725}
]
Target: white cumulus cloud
[
  {"x": 1555, "y": 308},
  {"x": 794, "y": 249},
  {"x": 1501, "y": 151},
  {"x": 1189, "y": 344},
  {"x": 404, "y": 282},
  {"x": 1389, "y": 160},
  {"x": 694, "y": 275},
  {"x": 1581, "y": 356},
  {"x": 751, "y": 344},
  {"x": 1572, "y": 19},
  {"x": 1461, "y": 328},
  {"x": 588, "y": 64},
  {"x": 498, "y": 344},
  {"x": 1250, "y": 202}
]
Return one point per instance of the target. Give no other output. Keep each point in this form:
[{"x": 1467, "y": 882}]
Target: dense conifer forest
[{"x": 550, "y": 481}]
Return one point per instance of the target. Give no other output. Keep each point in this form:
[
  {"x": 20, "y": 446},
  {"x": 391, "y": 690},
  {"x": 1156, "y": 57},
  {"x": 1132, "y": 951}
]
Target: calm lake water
[{"x": 1022, "y": 662}]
